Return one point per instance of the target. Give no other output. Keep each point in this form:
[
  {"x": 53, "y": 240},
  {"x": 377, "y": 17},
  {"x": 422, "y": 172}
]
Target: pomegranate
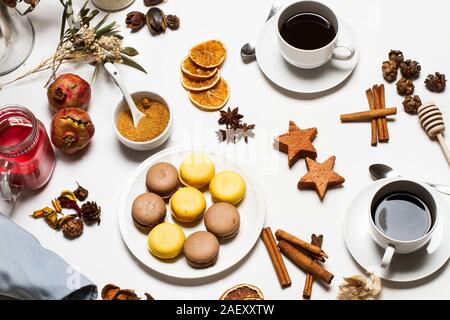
[
  {"x": 69, "y": 91},
  {"x": 71, "y": 129}
]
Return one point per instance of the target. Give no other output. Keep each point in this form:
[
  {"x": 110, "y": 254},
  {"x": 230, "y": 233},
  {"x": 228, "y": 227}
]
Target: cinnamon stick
[
  {"x": 381, "y": 133},
  {"x": 283, "y": 235},
  {"x": 382, "y": 96},
  {"x": 369, "y": 115},
  {"x": 276, "y": 258},
  {"x": 370, "y": 100},
  {"x": 304, "y": 262},
  {"x": 307, "y": 290}
]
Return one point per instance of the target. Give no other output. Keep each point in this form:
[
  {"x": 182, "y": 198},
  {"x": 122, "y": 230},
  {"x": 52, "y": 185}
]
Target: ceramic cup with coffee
[
  {"x": 402, "y": 218},
  {"x": 308, "y": 35}
]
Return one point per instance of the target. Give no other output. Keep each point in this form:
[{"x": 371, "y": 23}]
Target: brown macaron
[
  {"x": 148, "y": 210},
  {"x": 223, "y": 220},
  {"x": 162, "y": 179},
  {"x": 201, "y": 249}
]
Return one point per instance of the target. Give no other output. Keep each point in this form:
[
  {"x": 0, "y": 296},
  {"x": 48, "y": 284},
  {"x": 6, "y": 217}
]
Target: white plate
[
  {"x": 404, "y": 268},
  {"x": 283, "y": 74},
  {"x": 252, "y": 210}
]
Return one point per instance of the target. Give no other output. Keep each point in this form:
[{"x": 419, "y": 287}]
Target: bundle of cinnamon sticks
[
  {"x": 306, "y": 256},
  {"x": 377, "y": 100},
  {"x": 377, "y": 114}
]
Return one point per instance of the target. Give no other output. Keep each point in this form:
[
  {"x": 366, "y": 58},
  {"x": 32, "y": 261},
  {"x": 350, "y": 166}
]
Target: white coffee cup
[
  {"x": 310, "y": 59},
  {"x": 395, "y": 246}
]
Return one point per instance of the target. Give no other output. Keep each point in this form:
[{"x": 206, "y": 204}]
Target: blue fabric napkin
[{"x": 29, "y": 271}]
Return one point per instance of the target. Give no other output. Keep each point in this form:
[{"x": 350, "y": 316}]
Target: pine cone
[
  {"x": 390, "y": 71},
  {"x": 90, "y": 212},
  {"x": 410, "y": 69},
  {"x": 405, "y": 87},
  {"x": 411, "y": 104},
  {"x": 436, "y": 83},
  {"x": 72, "y": 228},
  {"x": 173, "y": 22}
]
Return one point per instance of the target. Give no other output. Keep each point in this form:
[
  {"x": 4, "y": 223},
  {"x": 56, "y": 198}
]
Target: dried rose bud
[
  {"x": 410, "y": 69},
  {"x": 396, "y": 56},
  {"x": 411, "y": 104},
  {"x": 405, "y": 87},
  {"x": 436, "y": 83},
  {"x": 390, "y": 71}
]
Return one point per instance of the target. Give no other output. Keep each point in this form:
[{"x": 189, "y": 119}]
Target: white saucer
[
  {"x": 283, "y": 74},
  {"x": 404, "y": 268},
  {"x": 252, "y": 210}
]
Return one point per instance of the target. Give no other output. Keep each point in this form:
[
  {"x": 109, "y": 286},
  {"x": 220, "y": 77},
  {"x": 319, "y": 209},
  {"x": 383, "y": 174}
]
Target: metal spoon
[
  {"x": 135, "y": 113},
  {"x": 381, "y": 171},
  {"x": 248, "y": 52}
]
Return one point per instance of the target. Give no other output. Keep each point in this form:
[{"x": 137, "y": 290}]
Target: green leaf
[
  {"x": 95, "y": 74},
  {"x": 129, "y": 51},
  {"x": 106, "y": 29},
  {"x": 130, "y": 62},
  {"x": 88, "y": 19},
  {"x": 63, "y": 23},
  {"x": 101, "y": 22},
  {"x": 84, "y": 12},
  {"x": 84, "y": 6}
]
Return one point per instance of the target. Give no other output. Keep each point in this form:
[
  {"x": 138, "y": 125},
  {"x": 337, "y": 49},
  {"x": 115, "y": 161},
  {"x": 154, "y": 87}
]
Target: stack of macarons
[{"x": 183, "y": 189}]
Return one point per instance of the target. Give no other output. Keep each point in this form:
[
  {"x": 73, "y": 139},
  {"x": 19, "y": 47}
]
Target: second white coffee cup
[{"x": 415, "y": 190}]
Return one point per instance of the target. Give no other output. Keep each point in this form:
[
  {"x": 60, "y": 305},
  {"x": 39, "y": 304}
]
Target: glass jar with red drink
[{"x": 27, "y": 158}]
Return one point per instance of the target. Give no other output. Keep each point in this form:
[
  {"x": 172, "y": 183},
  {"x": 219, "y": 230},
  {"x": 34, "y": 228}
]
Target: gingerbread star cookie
[
  {"x": 320, "y": 176},
  {"x": 297, "y": 143}
]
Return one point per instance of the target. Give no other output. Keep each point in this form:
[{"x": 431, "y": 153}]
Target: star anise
[
  {"x": 228, "y": 135},
  {"x": 245, "y": 131},
  {"x": 230, "y": 118}
]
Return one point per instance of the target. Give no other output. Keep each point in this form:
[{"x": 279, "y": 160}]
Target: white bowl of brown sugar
[{"x": 152, "y": 130}]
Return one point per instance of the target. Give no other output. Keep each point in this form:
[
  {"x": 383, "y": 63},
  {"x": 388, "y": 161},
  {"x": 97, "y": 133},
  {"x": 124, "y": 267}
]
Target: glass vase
[{"x": 16, "y": 39}]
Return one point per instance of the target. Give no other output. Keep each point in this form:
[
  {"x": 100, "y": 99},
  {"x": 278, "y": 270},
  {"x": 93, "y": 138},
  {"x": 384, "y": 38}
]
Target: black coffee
[
  {"x": 402, "y": 216},
  {"x": 307, "y": 31}
]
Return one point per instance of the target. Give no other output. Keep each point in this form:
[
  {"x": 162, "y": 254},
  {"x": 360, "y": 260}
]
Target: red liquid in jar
[{"x": 31, "y": 166}]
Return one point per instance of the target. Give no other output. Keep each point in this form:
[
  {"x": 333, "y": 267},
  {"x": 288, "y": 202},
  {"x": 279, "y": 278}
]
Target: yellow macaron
[
  {"x": 197, "y": 170},
  {"x": 227, "y": 186},
  {"x": 188, "y": 204},
  {"x": 166, "y": 240}
]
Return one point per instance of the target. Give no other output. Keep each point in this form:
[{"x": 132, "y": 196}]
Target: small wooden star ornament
[
  {"x": 320, "y": 176},
  {"x": 297, "y": 143}
]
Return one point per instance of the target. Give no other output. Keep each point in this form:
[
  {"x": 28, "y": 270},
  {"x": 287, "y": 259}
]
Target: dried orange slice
[
  {"x": 211, "y": 99},
  {"x": 209, "y": 54},
  {"x": 199, "y": 85},
  {"x": 194, "y": 71},
  {"x": 243, "y": 292}
]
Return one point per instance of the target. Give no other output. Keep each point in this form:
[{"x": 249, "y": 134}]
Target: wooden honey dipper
[{"x": 433, "y": 123}]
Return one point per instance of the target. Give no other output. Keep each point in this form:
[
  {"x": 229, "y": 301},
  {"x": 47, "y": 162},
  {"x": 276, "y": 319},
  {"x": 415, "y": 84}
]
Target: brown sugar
[{"x": 149, "y": 127}]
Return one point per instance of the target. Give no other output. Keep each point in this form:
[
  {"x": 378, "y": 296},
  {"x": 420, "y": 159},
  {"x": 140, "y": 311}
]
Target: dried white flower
[
  {"x": 87, "y": 35},
  {"x": 360, "y": 288}
]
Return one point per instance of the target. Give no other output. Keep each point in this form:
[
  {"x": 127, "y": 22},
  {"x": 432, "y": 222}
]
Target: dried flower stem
[{"x": 81, "y": 43}]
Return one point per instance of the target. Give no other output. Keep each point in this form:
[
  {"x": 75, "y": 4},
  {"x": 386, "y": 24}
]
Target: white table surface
[{"x": 419, "y": 28}]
